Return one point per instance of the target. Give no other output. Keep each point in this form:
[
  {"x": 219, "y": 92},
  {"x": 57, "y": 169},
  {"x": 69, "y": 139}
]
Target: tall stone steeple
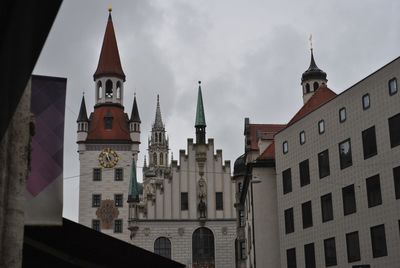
[
  {"x": 200, "y": 123},
  {"x": 158, "y": 142},
  {"x": 312, "y": 79}
]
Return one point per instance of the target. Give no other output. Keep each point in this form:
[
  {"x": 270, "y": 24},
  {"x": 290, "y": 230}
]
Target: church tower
[
  {"x": 108, "y": 145},
  {"x": 312, "y": 79}
]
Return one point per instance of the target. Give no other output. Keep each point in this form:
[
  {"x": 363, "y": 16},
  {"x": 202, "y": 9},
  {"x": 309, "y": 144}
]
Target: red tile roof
[
  {"x": 321, "y": 96},
  {"x": 269, "y": 152},
  {"x": 262, "y": 131},
  {"x": 109, "y": 61},
  {"x": 120, "y": 125}
]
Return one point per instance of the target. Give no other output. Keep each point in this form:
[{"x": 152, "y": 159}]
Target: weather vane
[{"x": 310, "y": 39}]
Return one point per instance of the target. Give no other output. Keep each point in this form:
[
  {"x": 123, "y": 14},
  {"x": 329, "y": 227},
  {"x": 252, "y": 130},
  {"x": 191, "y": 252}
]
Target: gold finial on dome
[{"x": 109, "y": 8}]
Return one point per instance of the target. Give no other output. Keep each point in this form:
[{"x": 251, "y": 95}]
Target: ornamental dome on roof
[
  {"x": 239, "y": 168},
  {"x": 313, "y": 72}
]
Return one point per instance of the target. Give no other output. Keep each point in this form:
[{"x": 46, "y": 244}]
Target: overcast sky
[{"x": 249, "y": 56}]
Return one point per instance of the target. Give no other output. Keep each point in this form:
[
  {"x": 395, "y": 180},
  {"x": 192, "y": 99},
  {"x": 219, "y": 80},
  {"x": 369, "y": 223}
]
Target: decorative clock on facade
[{"x": 108, "y": 158}]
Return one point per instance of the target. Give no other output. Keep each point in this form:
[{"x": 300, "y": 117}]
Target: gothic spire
[
  {"x": 158, "y": 123},
  {"x": 200, "y": 117},
  {"x": 109, "y": 61},
  {"x": 135, "y": 112},
  {"x": 82, "y": 117},
  {"x": 133, "y": 195}
]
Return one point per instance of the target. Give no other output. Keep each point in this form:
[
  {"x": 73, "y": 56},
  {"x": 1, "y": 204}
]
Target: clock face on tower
[{"x": 108, "y": 158}]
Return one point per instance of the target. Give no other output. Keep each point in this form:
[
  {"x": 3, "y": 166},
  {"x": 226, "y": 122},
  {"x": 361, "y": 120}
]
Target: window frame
[
  {"x": 117, "y": 176},
  {"x": 376, "y": 238},
  {"x": 302, "y": 137},
  {"x": 96, "y": 224},
  {"x": 327, "y": 211},
  {"x": 306, "y": 214},
  {"x": 349, "y": 238},
  {"x": 321, "y": 124},
  {"x": 309, "y": 255},
  {"x": 394, "y": 139},
  {"x": 396, "y": 180},
  {"x": 97, "y": 174},
  {"x": 328, "y": 171},
  {"x": 343, "y": 109},
  {"x": 391, "y": 93},
  {"x": 162, "y": 246},
  {"x": 374, "y": 196},
  {"x": 219, "y": 201},
  {"x": 365, "y": 105},
  {"x": 304, "y": 173},
  {"x": 330, "y": 247},
  {"x": 349, "y": 208},
  {"x": 291, "y": 261},
  {"x": 343, "y": 162},
  {"x": 184, "y": 201},
  {"x": 285, "y": 147},
  {"x": 119, "y": 200},
  {"x": 118, "y": 227},
  {"x": 289, "y": 221},
  {"x": 96, "y": 200},
  {"x": 287, "y": 181},
  {"x": 369, "y": 137}
]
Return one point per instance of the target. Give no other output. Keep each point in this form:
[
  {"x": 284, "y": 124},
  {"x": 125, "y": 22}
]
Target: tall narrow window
[
  {"x": 394, "y": 130},
  {"x": 97, "y": 174},
  {"x": 96, "y": 225},
  {"x": 162, "y": 247},
  {"x": 109, "y": 89},
  {"x": 396, "y": 178},
  {"x": 326, "y": 207},
  {"x": 378, "y": 240},
  {"x": 349, "y": 200},
  {"x": 219, "y": 201},
  {"x": 285, "y": 147},
  {"x": 304, "y": 173},
  {"x": 302, "y": 137},
  {"x": 321, "y": 126},
  {"x": 392, "y": 86},
  {"x": 345, "y": 154},
  {"x": 307, "y": 88},
  {"x": 323, "y": 164},
  {"x": 315, "y": 85},
  {"x": 119, "y": 174},
  {"x": 118, "y": 90},
  {"x": 155, "y": 158},
  {"x": 287, "y": 181},
  {"x": 309, "y": 255},
  {"x": 119, "y": 200},
  {"x": 342, "y": 115},
  {"x": 289, "y": 221},
  {"x": 118, "y": 226},
  {"x": 96, "y": 200},
  {"x": 369, "y": 142},
  {"x": 203, "y": 251},
  {"x": 161, "y": 159},
  {"x": 353, "y": 247},
  {"x": 291, "y": 258},
  {"x": 374, "y": 191},
  {"x": 330, "y": 252},
  {"x": 99, "y": 90},
  {"x": 306, "y": 211},
  {"x": 366, "y": 101},
  {"x": 184, "y": 201}
]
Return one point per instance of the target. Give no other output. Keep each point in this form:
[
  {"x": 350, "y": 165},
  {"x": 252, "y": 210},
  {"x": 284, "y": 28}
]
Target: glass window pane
[{"x": 345, "y": 154}]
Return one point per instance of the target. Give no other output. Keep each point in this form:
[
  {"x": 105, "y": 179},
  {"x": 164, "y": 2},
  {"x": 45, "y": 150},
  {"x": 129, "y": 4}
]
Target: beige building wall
[{"x": 383, "y": 106}]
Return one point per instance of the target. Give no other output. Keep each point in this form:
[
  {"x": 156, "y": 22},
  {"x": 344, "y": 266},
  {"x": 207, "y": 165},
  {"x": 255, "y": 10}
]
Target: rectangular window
[
  {"x": 219, "y": 201},
  {"x": 342, "y": 115},
  {"x": 291, "y": 258},
  {"x": 289, "y": 221},
  {"x": 302, "y": 137},
  {"x": 108, "y": 122},
  {"x": 285, "y": 147},
  {"x": 304, "y": 173},
  {"x": 353, "y": 247},
  {"x": 96, "y": 200},
  {"x": 394, "y": 130},
  {"x": 287, "y": 181},
  {"x": 323, "y": 164},
  {"x": 184, "y": 201},
  {"x": 366, "y": 101},
  {"x": 374, "y": 191},
  {"x": 321, "y": 126},
  {"x": 309, "y": 255},
  {"x": 117, "y": 226},
  {"x": 392, "y": 86},
  {"x": 349, "y": 200},
  {"x": 378, "y": 240},
  {"x": 96, "y": 225},
  {"x": 118, "y": 199},
  {"x": 369, "y": 142},
  {"x": 306, "y": 212},
  {"x": 345, "y": 154},
  {"x": 326, "y": 207},
  {"x": 241, "y": 218},
  {"x": 119, "y": 174},
  {"x": 97, "y": 174},
  {"x": 330, "y": 252},
  {"x": 396, "y": 178}
]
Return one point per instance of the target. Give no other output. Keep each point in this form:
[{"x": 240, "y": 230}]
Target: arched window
[
  {"x": 161, "y": 159},
  {"x": 203, "y": 248},
  {"x": 155, "y": 158},
  {"x": 307, "y": 88},
  {"x": 99, "y": 90},
  {"x": 159, "y": 137},
  {"x": 162, "y": 247},
  {"x": 118, "y": 89},
  {"x": 109, "y": 89},
  {"x": 316, "y": 86}
]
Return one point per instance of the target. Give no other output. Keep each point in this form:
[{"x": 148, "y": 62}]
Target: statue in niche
[
  {"x": 202, "y": 207},
  {"x": 202, "y": 190}
]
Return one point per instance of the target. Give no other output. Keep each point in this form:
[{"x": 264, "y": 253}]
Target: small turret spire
[
  {"x": 135, "y": 111},
  {"x": 158, "y": 123},
  {"x": 200, "y": 122},
  {"x": 133, "y": 195},
  {"x": 82, "y": 117}
]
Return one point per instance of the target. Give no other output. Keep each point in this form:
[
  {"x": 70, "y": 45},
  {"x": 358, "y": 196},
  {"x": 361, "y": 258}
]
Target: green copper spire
[
  {"x": 200, "y": 117},
  {"x": 133, "y": 195}
]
